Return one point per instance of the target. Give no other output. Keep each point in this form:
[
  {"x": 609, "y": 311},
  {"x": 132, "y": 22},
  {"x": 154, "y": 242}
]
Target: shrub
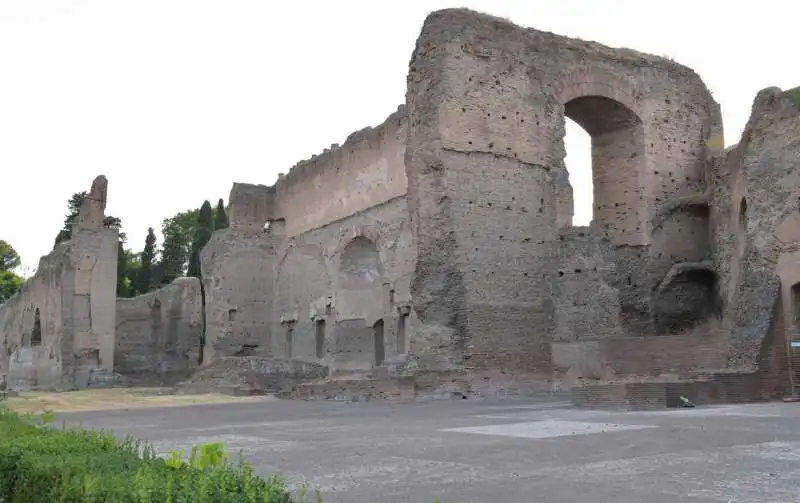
[{"x": 72, "y": 465}]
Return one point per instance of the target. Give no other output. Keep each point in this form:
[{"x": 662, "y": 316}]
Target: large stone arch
[
  {"x": 486, "y": 102},
  {"x": 608, "y": 109}
]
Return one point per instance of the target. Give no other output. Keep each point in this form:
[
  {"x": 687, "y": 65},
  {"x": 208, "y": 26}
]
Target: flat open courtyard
[{"x": 494, "y": 451}]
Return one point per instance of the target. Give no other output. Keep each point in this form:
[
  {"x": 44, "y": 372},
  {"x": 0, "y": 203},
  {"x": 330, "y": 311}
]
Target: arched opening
[
  {"x": 794, "y": 340},
  {"x": 616, "y": 138},
  {"x": 320, "y": 338},
  {"x": 288, "y": 339},
  {"x": 578, "y": 160},
  {"x": 36, "y": 334},
  {"x": 360, "y": 265},
  {"x": 400, "y": 343},
  {"x": 380, "y": 348},
  {"x": 156, "y": 322},
  {"x": 743, "y": 216}
]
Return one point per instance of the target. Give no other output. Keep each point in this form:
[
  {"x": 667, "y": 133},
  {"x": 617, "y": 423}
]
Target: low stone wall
[
  {"x": 158, "y": 334},
  {"x": 252, "y": 375}
]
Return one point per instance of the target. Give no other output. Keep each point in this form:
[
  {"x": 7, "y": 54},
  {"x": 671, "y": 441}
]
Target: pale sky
[{"x": 173, "y": 100}]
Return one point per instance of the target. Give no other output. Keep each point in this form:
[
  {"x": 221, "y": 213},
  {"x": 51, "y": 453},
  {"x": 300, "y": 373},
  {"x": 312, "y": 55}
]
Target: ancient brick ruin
[
  {"x": 436, "y": 252},
  {"x": 58, "y": 332}
]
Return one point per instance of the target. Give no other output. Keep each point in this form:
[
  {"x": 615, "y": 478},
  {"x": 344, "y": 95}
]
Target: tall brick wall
[
  {"x": 488, "y": 101},
  {"x": 58, "y": 332}
]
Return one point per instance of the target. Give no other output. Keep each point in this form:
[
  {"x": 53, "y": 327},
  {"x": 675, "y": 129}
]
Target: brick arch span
[{"x": 609, "y": 109}]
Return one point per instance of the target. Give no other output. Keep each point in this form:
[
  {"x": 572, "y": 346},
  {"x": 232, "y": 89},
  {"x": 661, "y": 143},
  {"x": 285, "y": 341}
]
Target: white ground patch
[
  {"x": 749, "y": 410},
  {"x": 549, "y": 428}
]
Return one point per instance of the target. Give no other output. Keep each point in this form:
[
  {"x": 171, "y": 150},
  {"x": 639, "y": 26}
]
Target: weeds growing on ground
[{"x": 72, "y": 465}]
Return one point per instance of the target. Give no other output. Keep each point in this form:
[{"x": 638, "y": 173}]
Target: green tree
[
  {"x": 202, "y": 234},
  {"x": 220, "y": 216},
  {"x": 176, "y": 248},
  {"x": 9, "y": 258},
  {"x": 10, "y": 284},
  {"x": 128, "y": 265},
  {"x": 144, "y": 278}
]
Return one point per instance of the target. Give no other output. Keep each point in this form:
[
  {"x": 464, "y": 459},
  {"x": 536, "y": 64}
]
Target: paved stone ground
[{"x": 496, "y": 451}]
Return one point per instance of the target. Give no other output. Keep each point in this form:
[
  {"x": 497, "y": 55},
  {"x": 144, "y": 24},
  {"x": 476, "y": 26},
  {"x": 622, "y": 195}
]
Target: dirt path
[{"x": 111, "y": 399}]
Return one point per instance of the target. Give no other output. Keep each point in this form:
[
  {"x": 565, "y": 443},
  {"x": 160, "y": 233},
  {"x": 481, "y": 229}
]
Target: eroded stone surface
[
  {"x": 58, "y": 332},
  {"x": 436, "y": 253},
  {"x": 158, "y": 334}
]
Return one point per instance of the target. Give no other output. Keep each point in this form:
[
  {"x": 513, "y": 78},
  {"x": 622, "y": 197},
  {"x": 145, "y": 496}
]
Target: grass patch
[
  {"x": 72, "y": 465},
  {"x": 110, "y": 399}
]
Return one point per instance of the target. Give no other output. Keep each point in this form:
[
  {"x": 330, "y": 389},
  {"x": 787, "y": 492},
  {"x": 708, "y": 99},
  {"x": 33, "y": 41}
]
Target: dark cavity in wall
[
  {"x": 202, "y": 321},
  {"x": 691, "y": 299},
  {"x": 247, "y": 350},
  {"x": 36, "y": 335},
  {"x": 380, "y": 349},
  {"x": 401, "y": 333},
  {"x": 320, "y": 338}
]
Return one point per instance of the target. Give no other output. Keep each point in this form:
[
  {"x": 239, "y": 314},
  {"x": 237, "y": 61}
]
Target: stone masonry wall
[
  {"x": 158, "y": 334},
  {"x": 268, "y": 290},
  {"x": 58, "y": 332},
  {"x": 487, "y": 101},
  {"x": 756, "y": 228},
  {"x": 368, "y": 169},
  {"x": 334, "y": 284}
]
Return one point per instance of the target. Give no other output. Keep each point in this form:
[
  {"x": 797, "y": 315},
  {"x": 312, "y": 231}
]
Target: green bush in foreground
[{"x": 72, "y": 465}]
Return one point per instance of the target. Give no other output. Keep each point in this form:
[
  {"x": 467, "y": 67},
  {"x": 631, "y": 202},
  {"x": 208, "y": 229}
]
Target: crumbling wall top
[
  {"x": 251, "y": 206},
  {"x": 369, "y": 135},
  {"x": 92, "y": 211}
]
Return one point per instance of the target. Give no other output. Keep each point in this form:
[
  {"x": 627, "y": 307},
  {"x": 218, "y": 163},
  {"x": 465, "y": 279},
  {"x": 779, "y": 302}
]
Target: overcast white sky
[{"x": 173, "y": 100}]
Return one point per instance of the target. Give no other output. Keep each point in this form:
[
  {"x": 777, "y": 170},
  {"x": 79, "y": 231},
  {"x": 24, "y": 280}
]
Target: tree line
[{"x": 184, "y": 235}]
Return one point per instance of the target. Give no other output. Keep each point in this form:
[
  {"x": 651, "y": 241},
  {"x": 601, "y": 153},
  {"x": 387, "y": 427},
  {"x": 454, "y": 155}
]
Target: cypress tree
[
  {"x": 221, "y": 217},
  {"x": 144, "y": 279},
  {"x": 202, "y": 234}
]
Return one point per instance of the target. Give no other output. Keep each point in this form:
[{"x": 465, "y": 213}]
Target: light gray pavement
[{"x": 500, "y": 452}]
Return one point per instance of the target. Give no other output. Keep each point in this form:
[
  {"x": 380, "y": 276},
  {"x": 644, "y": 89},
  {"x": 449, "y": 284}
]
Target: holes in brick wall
[{"x": 232, "y": 313}]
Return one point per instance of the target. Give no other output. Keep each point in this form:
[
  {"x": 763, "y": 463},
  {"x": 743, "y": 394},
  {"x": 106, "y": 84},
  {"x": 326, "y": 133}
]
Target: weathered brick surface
[
  {"x": 158, "y": 334},
  {"x": 457, "y": 211},
  {"x": 73, "y": 296},
  {"x": 437, "y": 248}
]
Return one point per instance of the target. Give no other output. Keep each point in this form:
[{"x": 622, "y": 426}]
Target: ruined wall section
[
  {"x": 72, "y": 343},
  {"x": 158, "y": 334},
  {"x": 487, "y": 103},
  {"x": 757, "y": 227},
  {"x": 333, "y": 284},
  {"x": 31, "y": 354},
  {"x": 366, "y": 170}
]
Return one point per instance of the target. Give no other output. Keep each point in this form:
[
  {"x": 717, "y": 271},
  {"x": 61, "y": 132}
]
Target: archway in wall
[
  {"x": 578, "y": 161},
  {"x": 793, "y": 343},
  {"x": 617, "y": 156}
]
